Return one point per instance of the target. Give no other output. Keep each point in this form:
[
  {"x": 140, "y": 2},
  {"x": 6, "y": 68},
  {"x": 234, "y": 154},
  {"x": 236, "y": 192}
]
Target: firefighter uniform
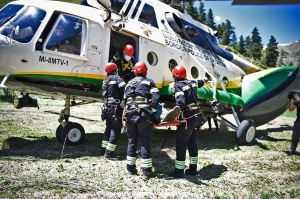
[
  {"x": 112, "y": 111},
  {"x": 185, "y": 94},
  {"x": 141, "y": 101}
]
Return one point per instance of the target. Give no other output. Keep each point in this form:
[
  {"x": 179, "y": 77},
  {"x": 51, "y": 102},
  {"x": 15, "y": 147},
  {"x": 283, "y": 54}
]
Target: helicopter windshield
[
  {"x": 28, "y": 22},
  {"x": 8, "y": 12},
  {"x": 67, "y": 35}
]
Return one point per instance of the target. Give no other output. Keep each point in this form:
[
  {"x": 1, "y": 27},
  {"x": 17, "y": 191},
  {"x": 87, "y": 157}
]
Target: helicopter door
[{"x": 152, "y": 54}]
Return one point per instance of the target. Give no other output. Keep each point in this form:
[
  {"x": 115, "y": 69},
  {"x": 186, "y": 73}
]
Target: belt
[
  {"x": 111, "y": 100},
  {"x": 138, "y": 99}
]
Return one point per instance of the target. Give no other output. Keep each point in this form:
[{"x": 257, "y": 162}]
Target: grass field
[{"x": 34, "y": 165}]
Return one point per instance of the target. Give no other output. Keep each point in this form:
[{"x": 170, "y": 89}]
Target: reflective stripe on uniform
[
  {"x": 185, "y": 88},
  {"x": 121, "y": 84},
  {"x": 179, "y": 164},
  {"x": 179, "y": 93},
  {"x": 146, "y": 163},
  {"x": 104, "y": 143},
  {"x": 153, "y": 90},
  {"x": 112, "y": 82},
  {"x": 195, "y": 85},
  {"x": 111, "y": 147},
  {"x": 193, "y": 160},
  {"x": 145, "y": 82},
  {"x": 131, "y": 160}
]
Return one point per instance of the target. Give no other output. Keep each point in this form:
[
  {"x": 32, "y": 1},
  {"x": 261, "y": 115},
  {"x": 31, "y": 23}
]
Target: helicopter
[{"x": 60, "y": 49}]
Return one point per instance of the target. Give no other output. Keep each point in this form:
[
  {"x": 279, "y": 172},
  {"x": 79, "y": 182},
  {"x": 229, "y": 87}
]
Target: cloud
[{"x": 217, "y": 18}]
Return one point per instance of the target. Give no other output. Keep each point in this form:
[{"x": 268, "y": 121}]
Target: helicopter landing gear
[
  {"x": 245, "y": 132},
  {"x": 70, "y": 133}
]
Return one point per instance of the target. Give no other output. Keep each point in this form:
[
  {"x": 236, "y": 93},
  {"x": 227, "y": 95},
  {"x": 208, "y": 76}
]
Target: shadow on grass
[
  {"x": 72, "y": 116},
  {"x": 4, "y": 98}
]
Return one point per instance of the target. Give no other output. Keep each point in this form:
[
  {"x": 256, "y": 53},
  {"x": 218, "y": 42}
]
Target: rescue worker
[
  {"x": 125, "y": 62},
  {"x": 113, "y": 91},
  {"x": 215, "y": 122},
  {"x": 185, "y": 94},
  {"x": 295, "y": 105},
  {"x": 141, "y": 99}
]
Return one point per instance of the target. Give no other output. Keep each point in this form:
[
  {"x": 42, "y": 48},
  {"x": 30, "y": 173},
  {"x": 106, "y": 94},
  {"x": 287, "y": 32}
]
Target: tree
[
  {"x": 291, "y": 63},
  {"x": 247, "y": 42},
  {"x": 280, "y": 58},
  {"x": 255, "y": 51},
  {"x": 256, "y": 45},
  {"x": 241, "y": 47},
  {"x": 210, "y": 20},
  {"x": 191, "y": 10},
  {"x": 271, "y": 52},
  {"x": 201, "y": 13},
  {"x": 225, "y": 38}
]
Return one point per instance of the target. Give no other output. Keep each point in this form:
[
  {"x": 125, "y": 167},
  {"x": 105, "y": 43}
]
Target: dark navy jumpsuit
[
  {"x": 185, "y": 94},
  {"x": 140, "y": 102},
  {"x": 296, "y": 128},
  {"x": 125, "y": 68},
  {"x": 113, "y": 112}
]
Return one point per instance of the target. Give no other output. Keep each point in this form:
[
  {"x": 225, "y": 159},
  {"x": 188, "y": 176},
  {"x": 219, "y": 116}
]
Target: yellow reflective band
[
  {"x": 193, "y": 160},
  {"x": 111, "y": 82},
  {"x": 185, "y": 88},
  {"x": 111, "y": 147},
  {"x": 121, "y": 84},
  {"x": 145, "y": 82},
  {"x": 179, "y": 164},
  {"x": 131, "y": 160},
  {"x": 153, "y": 109},
  {"x": 179, "y": 93},
  {"x": 153, "y": 90},
  {"x": 146, "y": 163},
  {"x": 104, "y": 143}
]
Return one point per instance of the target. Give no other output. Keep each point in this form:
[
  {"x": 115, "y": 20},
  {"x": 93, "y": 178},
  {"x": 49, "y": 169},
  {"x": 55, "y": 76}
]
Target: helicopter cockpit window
[
  {"x": 67, "y": 35},
  {"x": 8, "y": 12},
  {"x": 148, "y": 16},
  {"x": 172, "y": 64},
  {"x": 28, "y": 22}
]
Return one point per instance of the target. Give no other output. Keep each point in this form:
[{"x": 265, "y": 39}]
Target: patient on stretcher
[{"x": 165, "y": 116}]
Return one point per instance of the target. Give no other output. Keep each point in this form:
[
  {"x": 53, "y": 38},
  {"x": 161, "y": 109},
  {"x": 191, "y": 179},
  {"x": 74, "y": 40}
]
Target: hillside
[{"x": 292, "y": 52}]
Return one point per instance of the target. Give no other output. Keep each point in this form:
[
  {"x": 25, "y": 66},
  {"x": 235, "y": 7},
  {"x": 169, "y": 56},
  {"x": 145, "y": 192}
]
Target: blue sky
[{"x": 281, "y": 21}]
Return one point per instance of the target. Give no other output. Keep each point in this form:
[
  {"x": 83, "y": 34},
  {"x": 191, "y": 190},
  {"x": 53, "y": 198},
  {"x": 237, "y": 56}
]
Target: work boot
[
  {"x": 293, "y": 147},
  {"x": 291, "y": 152},
  {"x": 132, "y": 171},
  {"x": 177, "y": 173},
  {"x": 111, "y": 156},
  {"x": 147, "y": 174},
  {"x": 192, "y": 170},
  {"x": 171, "y": 114},
  {"x": 102, "y": 151}
]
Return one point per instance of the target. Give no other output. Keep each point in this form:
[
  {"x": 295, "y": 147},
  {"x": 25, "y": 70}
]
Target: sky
[{"x": 281, "y": 21}]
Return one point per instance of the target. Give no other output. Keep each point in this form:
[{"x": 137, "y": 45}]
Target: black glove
[{"x": 291, "y": 95}]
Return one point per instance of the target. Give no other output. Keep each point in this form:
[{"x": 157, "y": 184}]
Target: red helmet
[
  {"x": 109, "y": 67},
  {"x": 128, "y": 50},
  {"x": 179, "y": 72},
  {"x": 140, "y": 68}
]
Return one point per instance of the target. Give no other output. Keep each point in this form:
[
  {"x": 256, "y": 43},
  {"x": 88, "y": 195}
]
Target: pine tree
[
  {"x": 242, "y": 44},
  {"x": 233, "y": 39},
  {"x": 256, "y": 45},
  {"x": 247, "y": 42},
  {"x": 225, "y": 37},
  {"x": 210, "y": 20},
  {"x": 291, "y": 63},
  {"x": 280, "y": 58},
  {"x": 271, "y": 52},
  {"x": 202, "y": 14},
  {"x": 191, "y": 10}
]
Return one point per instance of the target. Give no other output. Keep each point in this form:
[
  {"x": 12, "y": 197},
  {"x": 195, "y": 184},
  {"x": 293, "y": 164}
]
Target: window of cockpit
[
  {"x": 25, "y": 25},
  {"x": 148, "y": 16},
  {"x": 9, "y": 12},
  {"x": 68, "y": 35}
]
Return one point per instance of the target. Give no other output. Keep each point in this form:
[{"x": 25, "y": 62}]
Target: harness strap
[{"x": 186, "y": 118}]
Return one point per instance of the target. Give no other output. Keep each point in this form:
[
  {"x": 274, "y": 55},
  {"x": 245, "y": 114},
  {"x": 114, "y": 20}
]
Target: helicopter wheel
[
  {"x": 245, "y": 132},
  {"x": 72, "y": 134},
  {"x": 58, "y": 133}
]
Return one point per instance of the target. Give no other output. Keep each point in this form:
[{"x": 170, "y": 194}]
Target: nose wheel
[{"x": 70, "y": 133}]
